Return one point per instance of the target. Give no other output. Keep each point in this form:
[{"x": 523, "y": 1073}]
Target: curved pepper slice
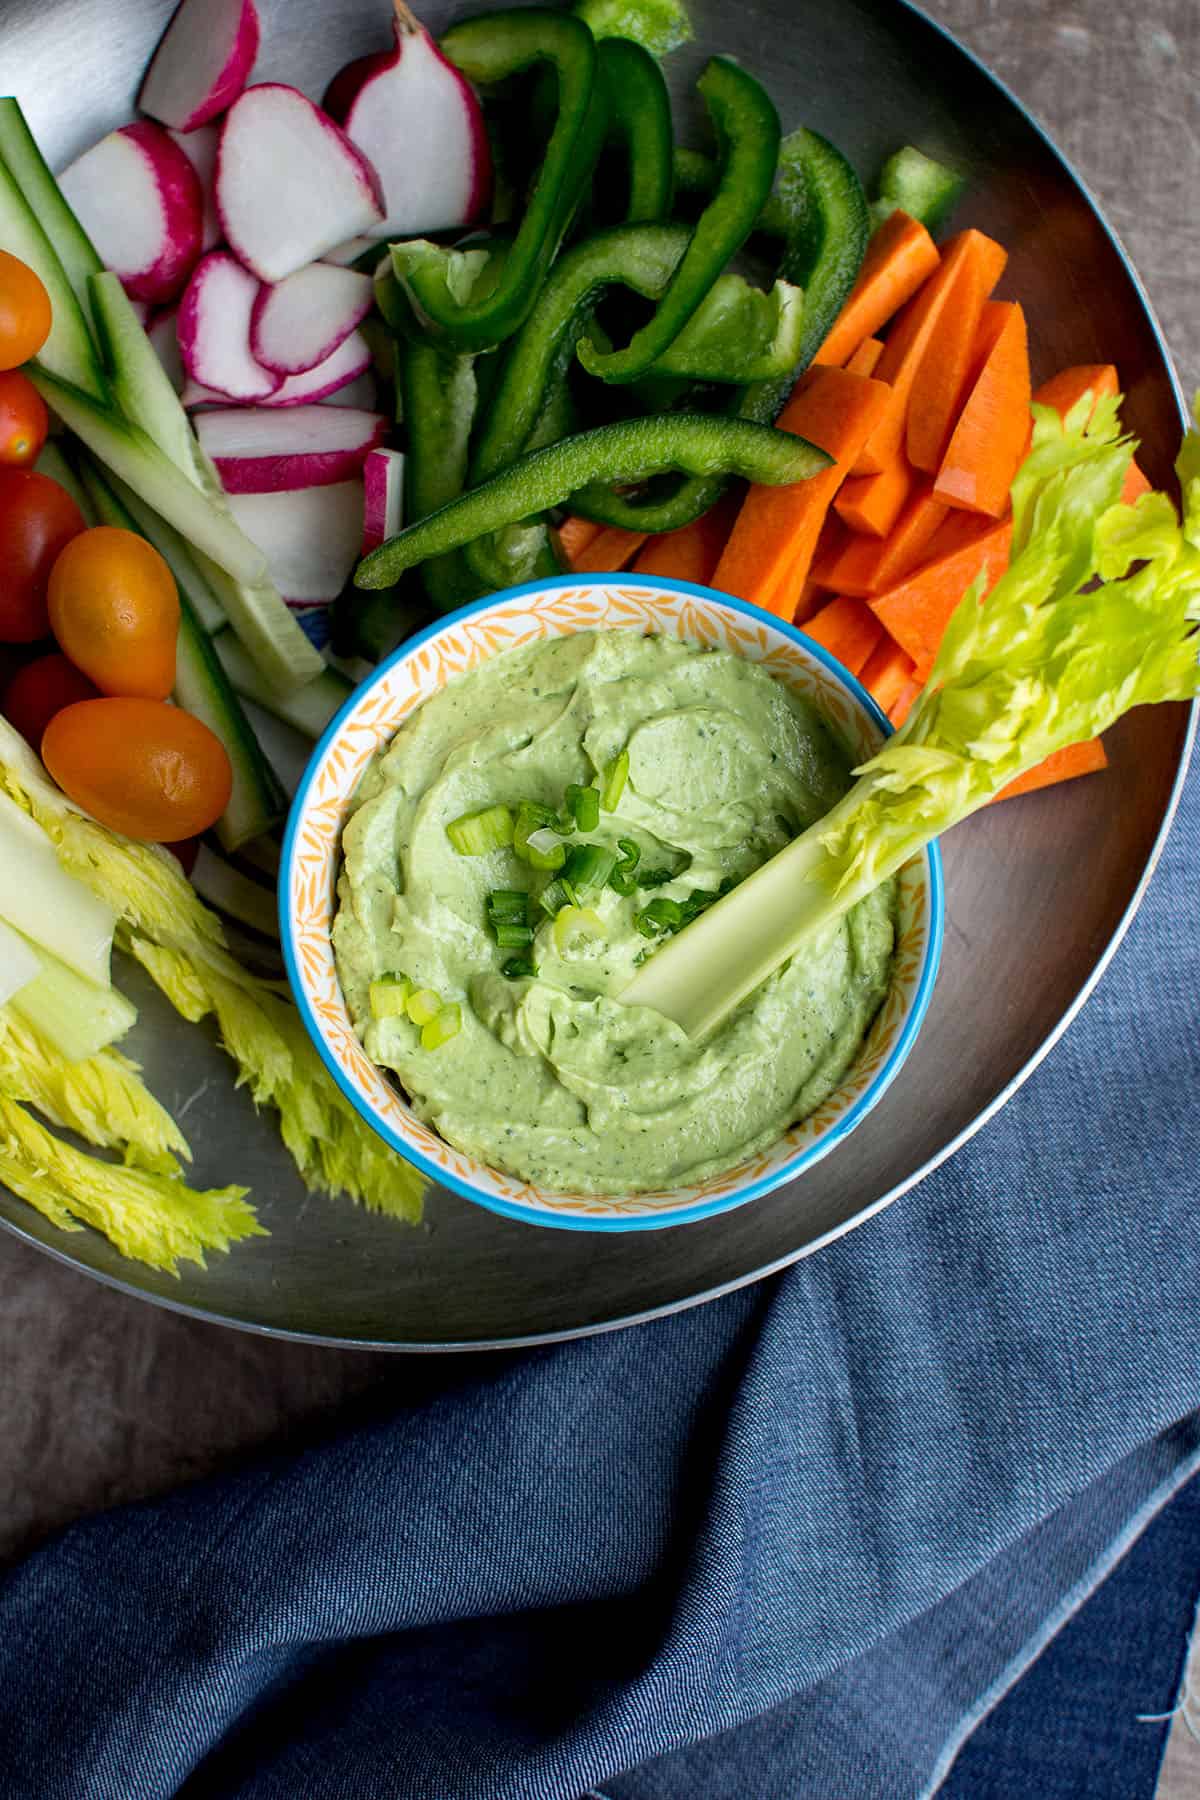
[
  {"x": 489, "y": 49},
  {"x": 747, "y": 128},
  {"x": 629, "y": 450},
  {"x": 639, "y": 124}
]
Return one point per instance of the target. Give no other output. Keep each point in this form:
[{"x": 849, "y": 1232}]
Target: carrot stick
[
  {"x": 971, "y": 266},
  {"x": 917, "y": 611},
  {"x": 992, "y": 433},
  {"x": 1063, "y": 390},
  {"x": 1063, "y": 765},
  {"x": 871, "y": 504},
  {"x": 866, "y": 358},
  {"x": 1135, "y": 485},
  {"x": 848, "y": 629},
  {"x": 886, "y": 673},
  {"x": 609, "y": 551},
  {"x": 574, "y": 535},
  {"x": 770, "y": 548},
  {"x": 900, "y": 256},
  {"x": 949, "y": 368},
  {"x": 812, "y": 598},
  {"x": 905, "y": 700},
  {"x": 865, "y": 566},
  {"x": 692, "y": 553}
]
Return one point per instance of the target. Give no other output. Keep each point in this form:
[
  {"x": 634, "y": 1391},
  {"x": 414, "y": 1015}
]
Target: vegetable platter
[{"x": 1038, "y": 893}]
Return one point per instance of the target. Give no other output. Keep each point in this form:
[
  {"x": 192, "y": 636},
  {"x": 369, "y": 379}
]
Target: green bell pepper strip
[
  {"x": 914, "y": 183},
  {"x": 639, "y": 124},
  {"x": 739, "y": 334},
  {"x": 439, "y": 395},
  {"x": 630, "y": 450},
  {"x": 489, "y": 49},
  {"x": 657, "y": 25},
  {"x": 747, "y": 128}
]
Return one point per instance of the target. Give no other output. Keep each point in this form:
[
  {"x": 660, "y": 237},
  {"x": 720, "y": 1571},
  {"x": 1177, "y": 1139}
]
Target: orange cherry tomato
[
  {"x": 41, "y": 689},
  {"x": 37, "y": 519},
  {"x": 114, "y": 609},
  {"x": 140, "y": 766},
  {"x": 24, "y": 420},
  {"x": 25, "y": 316}
]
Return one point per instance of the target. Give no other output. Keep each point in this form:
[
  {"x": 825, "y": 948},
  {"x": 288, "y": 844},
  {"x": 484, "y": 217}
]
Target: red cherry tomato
[
  {"x": 41, "y": 689},
  {"x": 37, "y": 521},
  {"x": 24, "y": 421},
  {"x": 25, "y": 316},
  {"x": 185, "y": 853}
]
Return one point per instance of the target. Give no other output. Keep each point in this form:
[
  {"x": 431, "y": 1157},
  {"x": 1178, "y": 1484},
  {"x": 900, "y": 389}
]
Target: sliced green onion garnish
[
  {"x": 424, "y": 1005},
  {"x": 446, "y": 1024},
  {"x": 583, "y": 803},
  {"x": 388, "y": 995},
  {"x": 588, "y": 866},
  {"x": 655, "y": 877},
  {"x": 576, "y": 921},
  {"x": 659, "y": 917},
  {"x": 512, "y": 937},
  {"x": 615, "y": 777},
  {"x": 621, "y": 880},
  {"x": 518, "y": 967},
  {"x": 478, "y": 833},
  {"x": 558, "y": 894},
  {"x": 532, "y": 820},
  {"x": 543, "y": 844},
  {"x": 508, "y": 906}
]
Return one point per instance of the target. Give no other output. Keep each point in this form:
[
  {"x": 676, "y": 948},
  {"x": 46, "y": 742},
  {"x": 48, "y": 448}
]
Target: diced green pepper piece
[{"x": 914, "y": 183}]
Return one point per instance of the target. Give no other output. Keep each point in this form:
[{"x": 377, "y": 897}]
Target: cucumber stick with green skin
[
  {"x": 202, "y": 687},
  {"x": 72, "y": 245},
  {"x": 308, "y": 710},
  {"x": 68, "y": 354}
]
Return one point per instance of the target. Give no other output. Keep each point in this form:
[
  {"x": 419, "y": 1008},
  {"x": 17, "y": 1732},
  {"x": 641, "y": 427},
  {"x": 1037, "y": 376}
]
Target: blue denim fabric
[{"x": 567, "y": 1564}]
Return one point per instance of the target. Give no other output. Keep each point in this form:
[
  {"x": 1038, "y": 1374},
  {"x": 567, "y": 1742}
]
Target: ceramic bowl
[{"x": 423, "y": 665}]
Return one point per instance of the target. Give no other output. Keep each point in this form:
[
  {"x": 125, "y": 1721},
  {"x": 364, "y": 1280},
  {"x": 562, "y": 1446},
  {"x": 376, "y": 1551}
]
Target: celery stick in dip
[{"x": 550, "y": 1077}]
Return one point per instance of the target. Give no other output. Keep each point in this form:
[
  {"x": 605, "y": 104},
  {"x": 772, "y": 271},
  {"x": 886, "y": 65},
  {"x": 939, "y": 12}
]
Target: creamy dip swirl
[{"x": 551, "y": 1078}]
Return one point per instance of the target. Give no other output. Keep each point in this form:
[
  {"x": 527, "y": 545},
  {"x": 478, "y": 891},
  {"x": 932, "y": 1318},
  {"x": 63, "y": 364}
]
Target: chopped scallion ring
[
  {"x": 588, "y": 866},
  {"x": 388, "y": 996},
  {"x": 423, "y": 1006},
  {"x": 583, "y": 803},
  {"x": 478, "y": 833},
  {"x": 615, "y": 777},
  {"x": 446, "y": 1024},
  {"x": 576, "y": 921}
]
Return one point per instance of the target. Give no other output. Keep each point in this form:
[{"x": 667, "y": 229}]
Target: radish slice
[
  {"x": 348, "y": 362},
  {"x": 163, "y": 332},
  {"x": 342, "y": 255},
  {"x": 202, "y": 63},
  {"x": 310, "y": 538},
  {"x": 418, "y": 120},
  {"x": 140, "y": 201},
  {"x": 290, "y": 184},
  {"x": 383, "y": 498},
  {"x": 200, "y": 148},
  {"x": 301, "y": 321},
  {"x": 259, "y": 452},
  {"x": 214, "y": 330},
  {"x": 362, "y": 393}
]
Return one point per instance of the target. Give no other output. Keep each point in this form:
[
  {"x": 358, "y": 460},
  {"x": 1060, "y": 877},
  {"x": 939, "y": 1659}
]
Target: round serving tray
[{"x": 1039, "y": 891}]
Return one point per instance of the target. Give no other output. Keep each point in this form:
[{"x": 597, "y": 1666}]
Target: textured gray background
[{"x": 103, "y": 1398}]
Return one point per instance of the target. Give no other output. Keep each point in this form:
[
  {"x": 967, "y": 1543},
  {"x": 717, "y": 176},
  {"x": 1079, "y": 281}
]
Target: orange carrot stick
[
  {"x": 871, "y": 504},
  {"x": 848, "y": 629},
  {"x": 609, "y": 551},
  {"x": 992, "y": 433},
  {"x": 949, "y": 368},
  {"x": 905, "y": 700},
  {"x": 1062, "y": 765},
  {"x": 575, "y": 534},
  {"x": 1135, "y": 485},
  {"x": 886, "y": 673},
  {"x": 865, "y": 566},
  {"x": 866, "y": 358},
  {"x": 692, "y": 553},
  {"x": 917, "y": 611},
  {"x": 1063, "y": 390},
  {"x": 770, "y": 548},
  {"x": 900, "y": 256}
]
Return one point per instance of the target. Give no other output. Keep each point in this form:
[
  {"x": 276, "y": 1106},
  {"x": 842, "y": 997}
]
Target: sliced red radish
[
  {"x": 342, "y": 255},
  {"x": 214, "y": 330},
  {"x": 383, "y": 498},
  {"x": 302, "y": 320},
  {"x": 163, "y": 332},
  {"x": 260, "y": 452},
  {"x": 362, "y": 392},
  {"x": 310, "y": 537},
  {"x": 290, "y": 184},
  {"x": 140, "y": 201},
  {"x": 200, "y": 148},
  {"x": 202, "y": 63},
  {"x": 418, "y": 120},
  {"x": 348, "y": 362}
]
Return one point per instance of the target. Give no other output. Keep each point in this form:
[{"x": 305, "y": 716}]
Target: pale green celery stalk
[
  {"x": 18, "y": 964},
  {"x": 77, "y": 1017},
  {"x": 101, "y": 1097},
  {"x": 1096, "y": 614},
  {"x": 46, "y": 904},
  {"x": 153, "y": 1218}
]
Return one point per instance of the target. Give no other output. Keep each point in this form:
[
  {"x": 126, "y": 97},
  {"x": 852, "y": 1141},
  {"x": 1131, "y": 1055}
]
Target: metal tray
[{"x": 1039, "y": 891}]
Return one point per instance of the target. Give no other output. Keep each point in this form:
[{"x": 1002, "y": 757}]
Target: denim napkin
[{"x": 864, "y": 1491}]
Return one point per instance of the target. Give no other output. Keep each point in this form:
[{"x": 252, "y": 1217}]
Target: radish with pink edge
[
  {"x": 383, "y": 498},
  {"x": 302, "y": 320},
  {"x": 290, "y": 184},
  {"x": 203, "y": 62},
  {"x": 311, "y": 537},
  {"x": 200, "y": 148},
  {"x": 348, "y": 362},
  {"x": 259, "y": 452},
  {"x": 418, "y": 120},
  {"x": 214, "y": 330},
  {"x": 140, "y": 201}
]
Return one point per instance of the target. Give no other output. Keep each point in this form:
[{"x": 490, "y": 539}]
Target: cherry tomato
[
  {"x": 185, "y": 853},
  {"x": 114, "y": 609},
  {"x": 25, "y": 316},
  {"x": 24, "y": 421},
  {"x": 37, "y": 521},
  {"x": 41, "y": 689},
  {"x": 140, "y": 766}
]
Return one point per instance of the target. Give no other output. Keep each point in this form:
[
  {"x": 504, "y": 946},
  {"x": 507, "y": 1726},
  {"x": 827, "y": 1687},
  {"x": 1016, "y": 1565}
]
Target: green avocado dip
[{"x": 550, "y": 1078}]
